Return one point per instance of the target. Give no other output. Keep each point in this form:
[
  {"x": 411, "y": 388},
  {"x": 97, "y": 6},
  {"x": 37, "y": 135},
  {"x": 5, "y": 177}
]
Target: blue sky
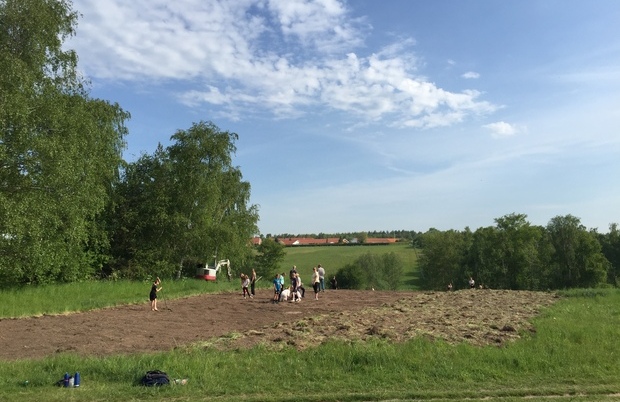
[{"x": 378, "y": 115}]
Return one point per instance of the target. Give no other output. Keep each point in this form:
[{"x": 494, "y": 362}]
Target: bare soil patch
[{"x": 226, "y": 321}]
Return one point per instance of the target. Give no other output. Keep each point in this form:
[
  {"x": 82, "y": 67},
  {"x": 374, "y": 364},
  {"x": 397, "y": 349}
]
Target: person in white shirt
[{"x": 321, "y": 272}]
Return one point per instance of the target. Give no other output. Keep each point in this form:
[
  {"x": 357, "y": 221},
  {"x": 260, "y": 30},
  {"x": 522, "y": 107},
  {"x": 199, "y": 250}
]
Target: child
[
  {"x": 153, "y": 294},
  {"x": 281, "y": 277},
  {"x": 245, "y": 283},
  {"x": 276, "y": 289}
]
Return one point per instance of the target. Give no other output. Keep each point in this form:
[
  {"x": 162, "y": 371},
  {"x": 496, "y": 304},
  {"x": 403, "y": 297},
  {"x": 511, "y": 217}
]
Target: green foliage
[
  {"x": 577, "y": 259},
  {"x": 443, "y": 259},
  {"x": 351, "y": 276},
  {"x": 507, "y": 256},
  {"x": 515, "y": 255},
  {"x": 392, "y": 270},
  {"x": 184, "y": 203},
  {"x": 59, "y": 150},
  {"x": 610, "y": 246},
  {"x": 270, "y": 255},
  {"x": 378, "y": 272}
]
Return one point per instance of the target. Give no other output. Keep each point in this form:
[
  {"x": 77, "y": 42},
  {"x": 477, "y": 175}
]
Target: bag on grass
[{"x": 155, "y": 378}]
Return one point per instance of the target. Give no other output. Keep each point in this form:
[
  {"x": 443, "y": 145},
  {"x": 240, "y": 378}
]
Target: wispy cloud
[
  {"x": 471, "y": 75},
  {"x": 324, "y": 24},
  {"x": 274, "y": 56},
  {"x": 502, "y": 129}
]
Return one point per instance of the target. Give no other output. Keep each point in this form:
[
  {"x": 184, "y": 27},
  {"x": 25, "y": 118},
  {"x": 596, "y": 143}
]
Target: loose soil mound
[{"x": 225, "y": 321}]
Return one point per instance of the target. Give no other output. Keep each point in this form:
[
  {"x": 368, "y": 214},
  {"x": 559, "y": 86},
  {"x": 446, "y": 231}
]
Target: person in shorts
[
  {"x": 316, "y": 283},
  {"x": 277, "y": 288},
  {"x": 153, "y": 295}
]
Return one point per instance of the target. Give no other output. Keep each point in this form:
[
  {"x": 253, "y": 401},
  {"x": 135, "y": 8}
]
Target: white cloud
[
  {"x": 273, "y": 56},
  {"x": 502, "y": 129},
  {"x": 321, "y": 23},
  {"x": 471, "y": 75}
]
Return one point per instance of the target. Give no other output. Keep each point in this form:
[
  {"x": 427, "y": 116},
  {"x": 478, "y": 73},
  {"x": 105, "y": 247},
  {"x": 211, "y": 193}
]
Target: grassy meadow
[
  {"x": 332, "y": 258},
  {"x": 573, "y": 355},
  {"x": 63, "y": 298}
]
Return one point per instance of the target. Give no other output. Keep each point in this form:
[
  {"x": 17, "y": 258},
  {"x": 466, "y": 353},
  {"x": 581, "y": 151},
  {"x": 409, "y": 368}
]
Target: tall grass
[
  {"x": 573, "y": 355},
  {"x": 82, "y": 296}
]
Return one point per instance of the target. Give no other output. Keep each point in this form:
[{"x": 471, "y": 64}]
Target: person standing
[
  {"x": 334, "y": 283},
  {"x": 245, "y": 283},
  {"x": 153, "y": 295},
  {"x": 321, "y": 271},
  {"x": 253, "y": 283},
  {"x": 293, "y": 277},
  {"x": 472, "y": 283},
  {"x": 276, "y": 289},
  {"x": 281, "y": 277},
  {"x": 316, "y": 283}
]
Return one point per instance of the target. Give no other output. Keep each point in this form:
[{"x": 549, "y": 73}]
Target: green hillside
[{"x": 332, "y": 258}]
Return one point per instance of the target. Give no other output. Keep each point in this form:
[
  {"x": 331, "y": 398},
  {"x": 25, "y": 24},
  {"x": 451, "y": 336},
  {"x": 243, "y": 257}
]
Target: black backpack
[{"x": 155, "y": 378}]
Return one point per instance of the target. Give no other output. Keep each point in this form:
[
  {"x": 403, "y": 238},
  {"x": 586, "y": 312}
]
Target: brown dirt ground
[{"x": 227, "y": 321}]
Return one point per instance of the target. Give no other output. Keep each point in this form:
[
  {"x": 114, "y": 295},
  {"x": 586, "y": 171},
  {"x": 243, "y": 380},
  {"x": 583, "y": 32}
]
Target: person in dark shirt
[{"x": 153, "y": 295}]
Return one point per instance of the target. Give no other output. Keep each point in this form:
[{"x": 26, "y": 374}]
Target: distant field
[{"x": 332, "y": 258}]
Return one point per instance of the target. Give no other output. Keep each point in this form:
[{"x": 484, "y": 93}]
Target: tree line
[
  {"x": 514, "y": 254},
  {"x": 70, "y": 207}
]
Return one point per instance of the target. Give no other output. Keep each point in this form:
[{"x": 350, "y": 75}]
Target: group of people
[
  {"x": 471, "y": 282},
  {"x": 296, "y": 291}
]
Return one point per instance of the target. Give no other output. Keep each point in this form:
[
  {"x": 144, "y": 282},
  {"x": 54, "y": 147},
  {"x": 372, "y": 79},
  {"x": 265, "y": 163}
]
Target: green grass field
[
  {"x": 332, "y": 258},
  {"x": 572, "y": 356}
]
